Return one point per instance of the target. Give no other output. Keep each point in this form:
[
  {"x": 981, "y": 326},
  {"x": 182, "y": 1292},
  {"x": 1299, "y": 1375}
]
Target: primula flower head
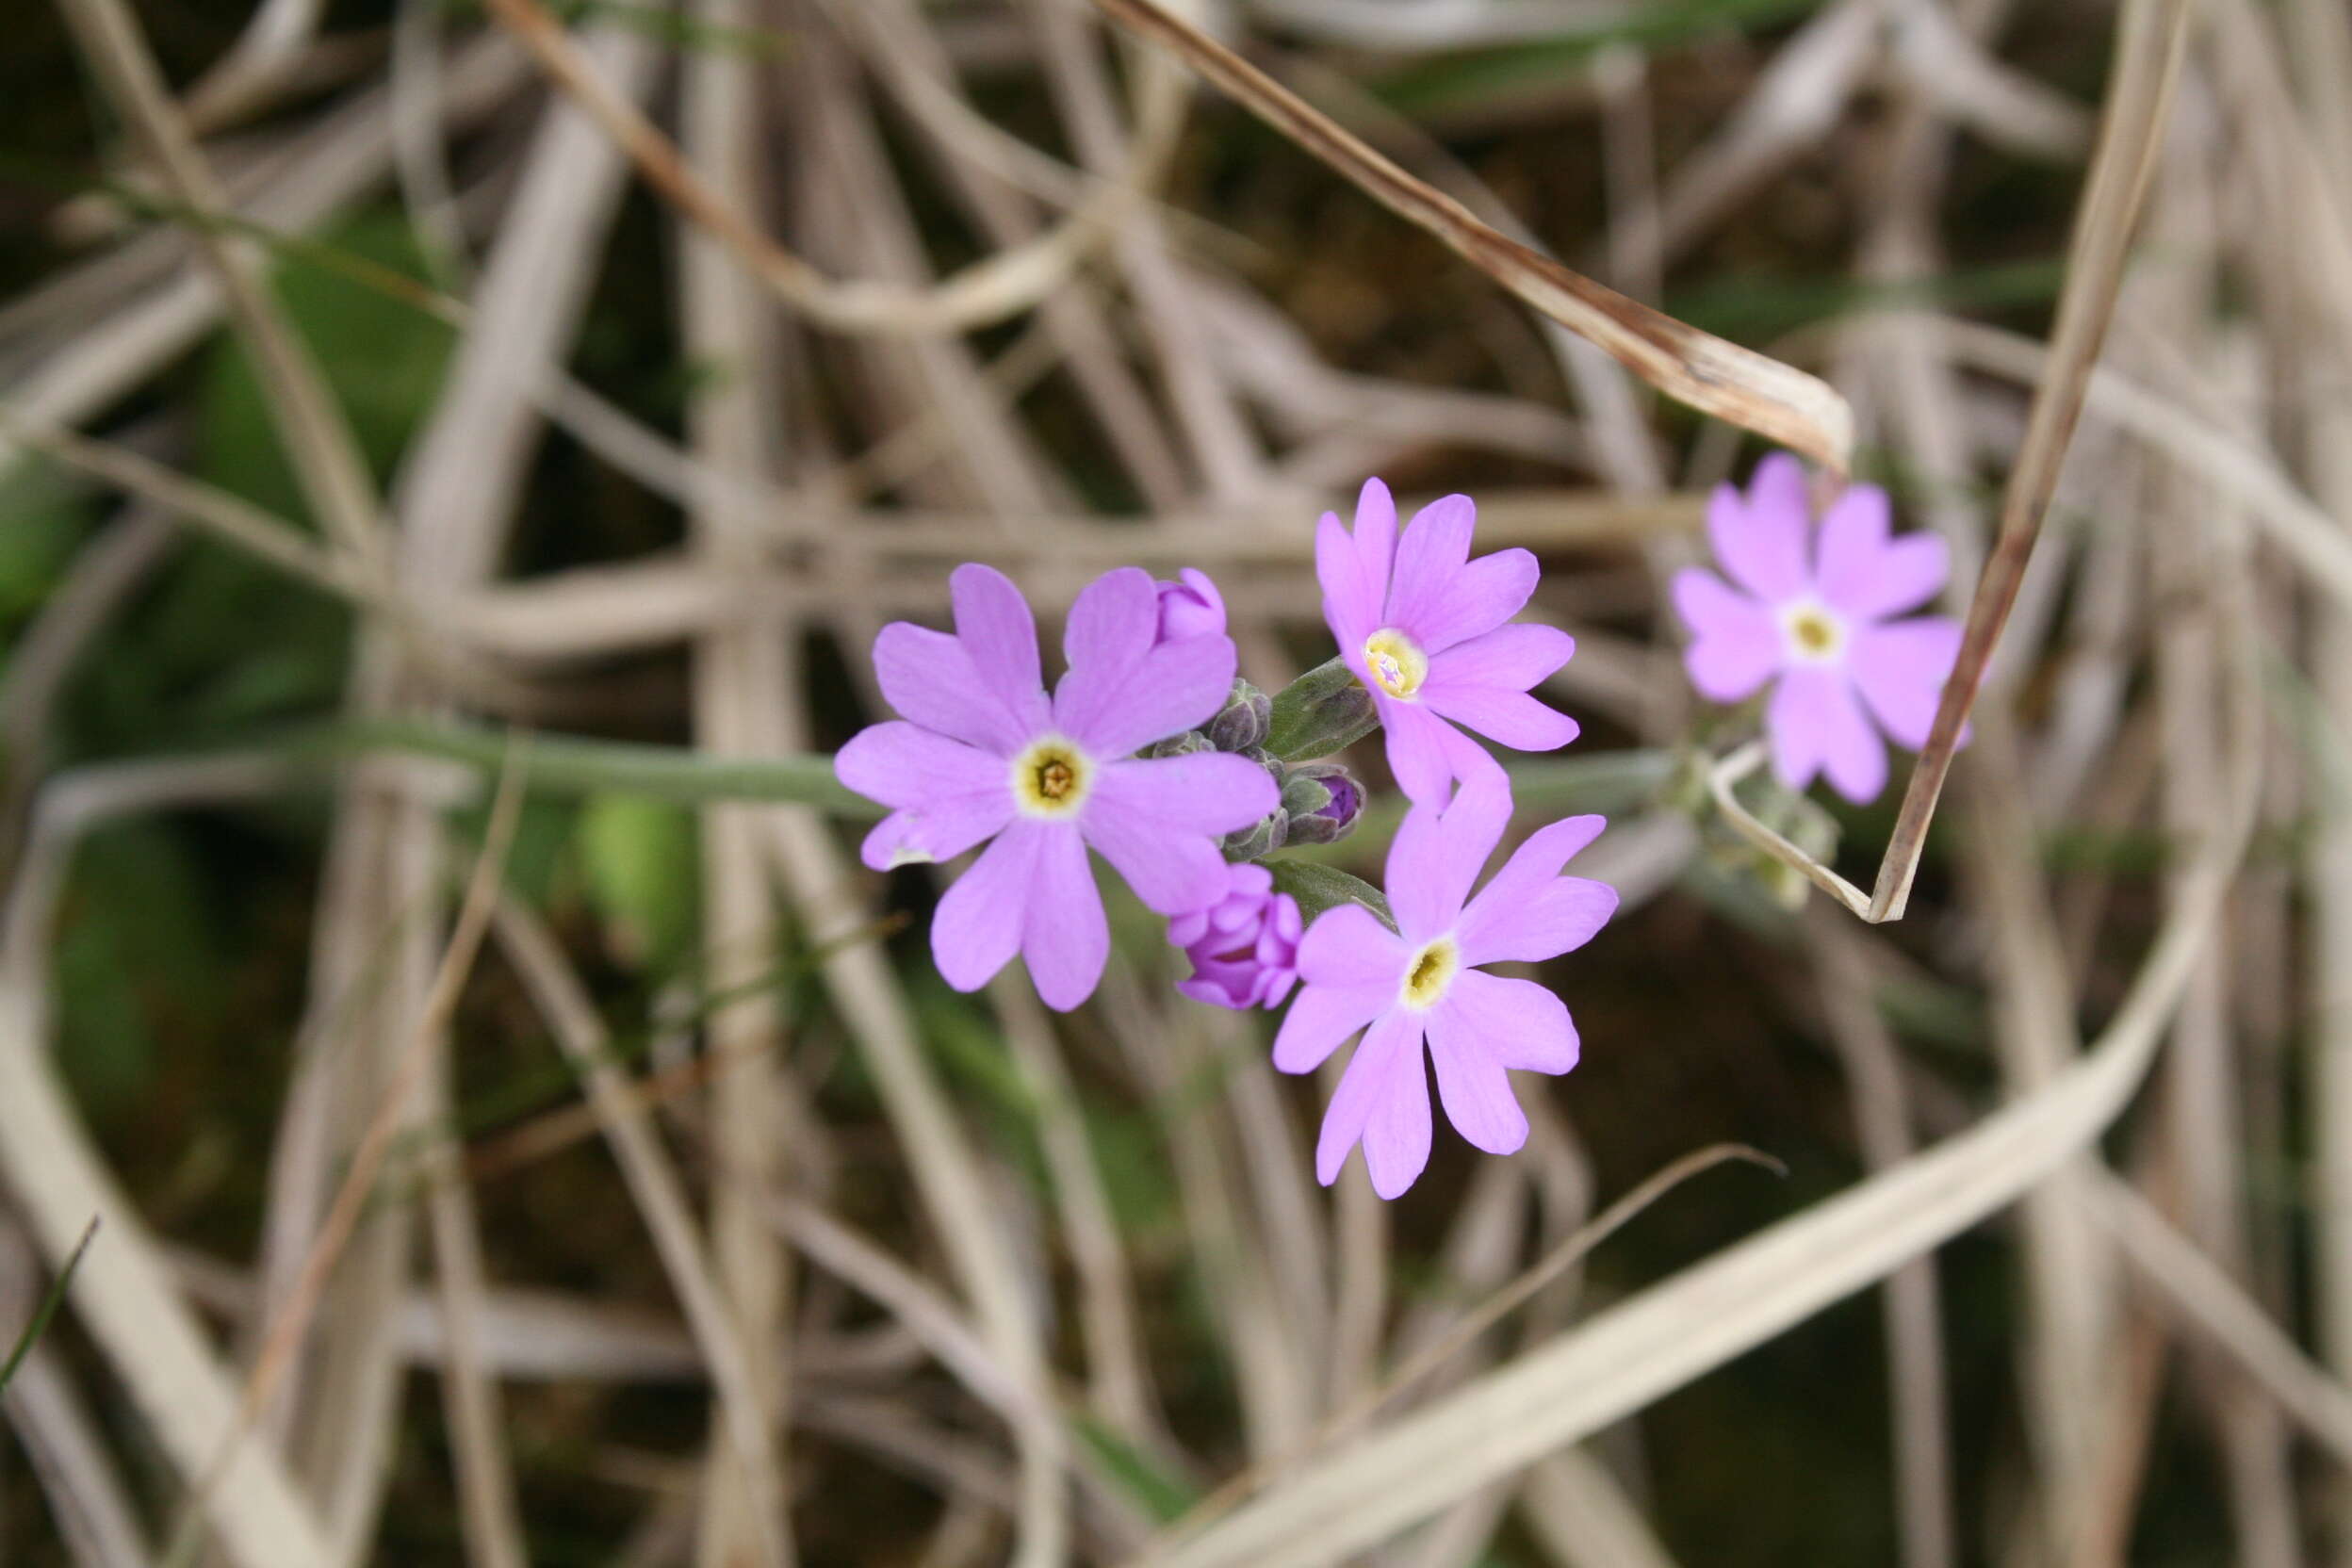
[
  {"x": 1422, "y": 626},
  {"x": 1191, "y": 607},
  {"x": 1818, "y": 613},
  {"x": 1244, "y": 947},
  {"x": 1423, "y": 982},
  {"x": 983, "y": 755}
]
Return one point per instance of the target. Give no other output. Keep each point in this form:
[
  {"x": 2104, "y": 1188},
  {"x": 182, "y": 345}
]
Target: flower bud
[
  {"x": 1191, "y": 607},
  {"x": 1263, "y": 836},
  {"x": 1240, "y": 725},
  {"x": 1322, "y": 801},
  {"x": 1245, "y": 947},
  {"x": 1323, "y": 711},
  {"x": 1180, "y": 745}
]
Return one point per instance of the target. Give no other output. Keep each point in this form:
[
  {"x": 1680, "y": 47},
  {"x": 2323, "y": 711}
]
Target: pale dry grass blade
[
  {"x": 1274, "y": 1386},
  {"x": 2205, "y": 1065},
  {"x": 2203, "y": 1299},
  {"x": 1581, "y": 1515},
  {"x": 1914, "y": 1336},
  {"x": 489, "y": 1515},
  {"x": 1189, "y": 1536},
  {"x": 1625, "y": 1357},
  {"x": 62, "y": 1442},
  {"x": 122, "y": 1292},
  {"x": 2069, "y": 1287},
  {"x": 653, "y": 1180},
  {"x": 264, "y": 59},
  {"x": 1227, "y": 454},
  {"x": 2151, "y": 35},
  {"x": 317, "y": 438},
  {"x": 285, "y": 1333},
  {"x": 1736, "y": 384},
  {"x": 112, "y": 356},
  {"x": 1796, "y": 99},
  {"x": 1118, "y": 1376},
  {"x": 2236, "y": 469},
  {"x": 1006, "y": 284},
  {"x": 742, "y": 672},
  {"x": 2323, "y": 53},
  {"x": 235, "y": 522},
  {"x": 105, "y": 574},
  {"x": 945, "y": 1169}
]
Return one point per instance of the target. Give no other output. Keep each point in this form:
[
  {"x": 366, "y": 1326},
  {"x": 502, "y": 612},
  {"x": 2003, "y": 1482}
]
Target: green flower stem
[{"x": 569, "y": 765}]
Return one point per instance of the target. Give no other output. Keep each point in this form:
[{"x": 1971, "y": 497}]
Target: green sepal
[{"x": 1324, "y": 711}]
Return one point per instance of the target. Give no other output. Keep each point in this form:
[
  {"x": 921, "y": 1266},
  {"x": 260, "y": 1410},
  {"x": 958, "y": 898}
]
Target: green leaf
[
  {"x": 1165, "y": 1496},
  {"x": 1318, "y": 887},
  {"x": 49, "y": 1305},
  {"x": 641, "y": 861},
  {"x": 382, "y": 359}
]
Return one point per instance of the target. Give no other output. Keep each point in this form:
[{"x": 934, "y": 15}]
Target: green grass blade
[{"x": 48, "y": 1308}]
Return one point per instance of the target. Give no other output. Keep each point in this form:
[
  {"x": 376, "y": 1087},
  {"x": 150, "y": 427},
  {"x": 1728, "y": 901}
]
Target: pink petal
[
  {"x": 1735, "y": 645},
  {"x": 1521, "y": 1024},
  {"x": 1352, "y": 604},
  {"x": 1864, "y": 573},
  {"x": 1513, "y": 719},
  {"x": 1421, "y": 750},
  {"x": 1760, "y": 540},
  {"x": 1208, "y": 792},
  {"x": 1065, "y": 938},
  {"x": 1112, "y": 625},
  {"x": 929, "y": 678},
  {"x": 1508, "y": 659},
  {"x": 1528, "y": 911},
  {"x": 1322, "y": 1018},
  {"x": 1173, "y": 687},
  {"x": 1153, "y": 819},
  {"x": 1383, "y": 1103},
  {"x": 940, "y": 831},
  {"x": 1473, "y": 601},
  {"x": 1435, "y": 546},
  {"x": 903, "y": 764},
  {"x": 1472, "y": 1084},
  {"x": 1817, "y": 726},
  {"x": 1437, "y": 855},
  {"x": 1376, "y": 537},
  {"x": 979, "y": 922},
  {"x": 1348, "y": 949},
  {"x": 993, "y": 623},
  {"x": 1900, "y": 668}
]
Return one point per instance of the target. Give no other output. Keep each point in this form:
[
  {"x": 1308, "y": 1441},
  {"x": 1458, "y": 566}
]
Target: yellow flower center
[
  {"x": 1051, "y": 778},
  {"x": 1394, "y": 662},
  {"x": 1814, "y": 635},
  {"x": 1431, "y": 971}
]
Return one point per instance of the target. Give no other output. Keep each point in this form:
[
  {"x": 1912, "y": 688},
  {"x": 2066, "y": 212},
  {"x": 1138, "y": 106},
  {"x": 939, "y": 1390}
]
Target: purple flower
[
  {"x": 1191, "y": 607},
  {"x": 1422, "y": 626},
  {"x": 1423, "y": 980},
  {"x": 1245, "y": 947},
  {"x": 983, "y": 755},
  {"x": 1820, "y": 618}
]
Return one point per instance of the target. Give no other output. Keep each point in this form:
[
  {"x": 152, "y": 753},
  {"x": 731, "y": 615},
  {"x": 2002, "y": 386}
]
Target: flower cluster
[{"x": 1191, "y": 784}]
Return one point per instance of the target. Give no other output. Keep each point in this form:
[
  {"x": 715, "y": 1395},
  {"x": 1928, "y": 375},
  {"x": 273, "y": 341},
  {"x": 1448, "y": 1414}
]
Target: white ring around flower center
[
  {"x": 1812, "y": 634},
  {"x": 1432, "y": 970},
  {"x": 1051, "y": 778},
  {"x": 1395, "y": 663}
]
